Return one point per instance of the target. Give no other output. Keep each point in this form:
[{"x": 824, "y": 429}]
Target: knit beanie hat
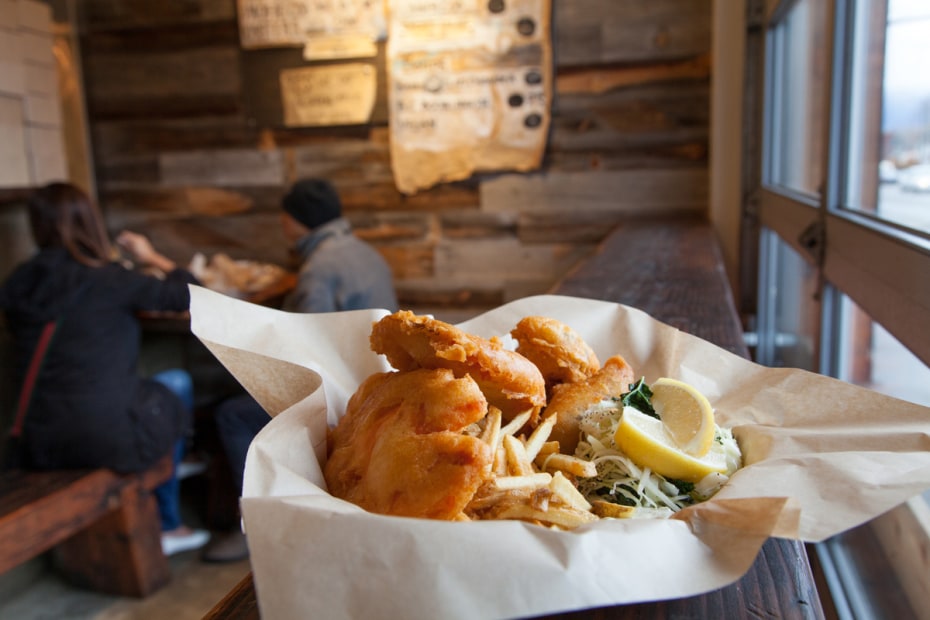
[{"x": 313, "y": 202}]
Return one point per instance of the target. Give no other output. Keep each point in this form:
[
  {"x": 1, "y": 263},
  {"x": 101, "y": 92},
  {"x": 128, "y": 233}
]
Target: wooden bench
[{"x": 104, "y": 527}]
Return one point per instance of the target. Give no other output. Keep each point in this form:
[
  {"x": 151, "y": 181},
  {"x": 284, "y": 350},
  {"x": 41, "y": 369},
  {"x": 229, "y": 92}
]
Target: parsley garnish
[
  {"x": 682, "y": 486},
  {"x": 639, "y": 397}
]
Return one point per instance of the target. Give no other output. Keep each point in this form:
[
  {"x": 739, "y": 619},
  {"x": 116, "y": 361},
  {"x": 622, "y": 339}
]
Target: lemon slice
[
  {"x": 647, "y": 443},
  {"x": 686, "y": 413}
]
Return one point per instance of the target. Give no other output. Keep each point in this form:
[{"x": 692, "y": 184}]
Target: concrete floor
[{"x": 194, "y": 589}]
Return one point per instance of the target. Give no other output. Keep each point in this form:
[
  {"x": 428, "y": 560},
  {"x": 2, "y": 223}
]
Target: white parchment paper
[{"x": 820, "y": 456}]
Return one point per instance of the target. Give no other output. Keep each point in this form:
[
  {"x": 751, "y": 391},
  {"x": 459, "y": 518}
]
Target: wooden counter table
[{"x": 673, "y": 270}]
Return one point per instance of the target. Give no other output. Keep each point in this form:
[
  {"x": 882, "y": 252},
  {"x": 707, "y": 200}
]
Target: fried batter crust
[
  {"x": 508, "y": 380},
  {"x": 559, "y": 352},
  {"x": 399, "y": 449},
  {"x": 570, "y": 400}
]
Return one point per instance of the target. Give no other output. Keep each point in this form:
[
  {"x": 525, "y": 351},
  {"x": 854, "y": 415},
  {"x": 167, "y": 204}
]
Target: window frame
[{"x": 883, "y": 267}]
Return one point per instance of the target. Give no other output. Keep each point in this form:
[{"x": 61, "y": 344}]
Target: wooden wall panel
[
  {"x": 189, "y": 146},
  {"x": 103, "y": 15},
  {"x": 591, "y": 32},
  {"x": 165, "y": 85},
  {"x": 632, "y": 192}
]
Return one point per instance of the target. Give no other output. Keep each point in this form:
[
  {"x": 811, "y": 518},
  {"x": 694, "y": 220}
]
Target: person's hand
[
  {"x": 138, "y": 246},
  {"x": 142, "y": 251}
]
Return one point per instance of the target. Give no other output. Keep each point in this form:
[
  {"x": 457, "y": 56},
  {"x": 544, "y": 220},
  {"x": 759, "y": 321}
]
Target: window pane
[
  {"x": 889, "y": 168},
  {"x": 790, "y": 315},
  {"x": 871, "y": 357},
  {"x": 798, "y": 73}
]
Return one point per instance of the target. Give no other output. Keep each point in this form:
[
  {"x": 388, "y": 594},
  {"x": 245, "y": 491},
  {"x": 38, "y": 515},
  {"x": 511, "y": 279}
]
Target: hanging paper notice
[
  {"x": 470, "y": 88},
  {"x": 272, "y": 23},
  {"x": 326, "y": 29},
  {"x": 342, "y": 94}
]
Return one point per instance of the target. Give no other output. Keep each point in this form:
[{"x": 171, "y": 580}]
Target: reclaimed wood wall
[{"x": 184, "y": 153}]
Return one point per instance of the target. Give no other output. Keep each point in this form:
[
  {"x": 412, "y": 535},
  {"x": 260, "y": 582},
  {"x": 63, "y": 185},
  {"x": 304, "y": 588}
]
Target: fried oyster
[
  {"x": 508, "y": 380},
  {"x": 400, "y": 448}
]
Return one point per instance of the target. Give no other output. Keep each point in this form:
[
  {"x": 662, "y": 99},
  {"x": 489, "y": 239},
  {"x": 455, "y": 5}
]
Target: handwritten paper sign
[
  {"x": 470, "y": 88},
  {"x": 272, "y": 23},
  {"x": 325, "y": 28},
  {"x": 342, "y": 94}
]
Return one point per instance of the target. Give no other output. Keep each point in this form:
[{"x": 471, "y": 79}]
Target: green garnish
[{"x": 640, "y": 398}]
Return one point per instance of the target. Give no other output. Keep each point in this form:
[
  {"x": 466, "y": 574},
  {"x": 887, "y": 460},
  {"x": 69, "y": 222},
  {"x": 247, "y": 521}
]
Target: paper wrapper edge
[{"x": 821, "y": 456}]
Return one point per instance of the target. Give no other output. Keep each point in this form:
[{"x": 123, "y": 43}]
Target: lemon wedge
[
  {"x": 648, "y": 443},
  {"x": 686, "y": 414}
]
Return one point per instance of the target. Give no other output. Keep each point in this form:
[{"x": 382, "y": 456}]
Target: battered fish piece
[
  {"x": 508, "y": 380},
  {"x": 400, "y": 450},
  {"x": 557, "y": 350},
  {"x": 570, "y": 400}
]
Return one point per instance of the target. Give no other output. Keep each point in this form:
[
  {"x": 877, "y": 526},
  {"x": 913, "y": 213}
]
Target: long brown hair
[{"x": 61, "y": 215}]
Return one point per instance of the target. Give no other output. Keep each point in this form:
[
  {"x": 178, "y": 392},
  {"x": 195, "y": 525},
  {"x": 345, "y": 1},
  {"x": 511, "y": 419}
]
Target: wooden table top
[{"x": 673, "y": 270}]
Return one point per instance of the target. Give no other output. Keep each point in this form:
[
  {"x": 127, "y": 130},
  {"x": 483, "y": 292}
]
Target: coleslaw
[{"x": 621, "y": 481}]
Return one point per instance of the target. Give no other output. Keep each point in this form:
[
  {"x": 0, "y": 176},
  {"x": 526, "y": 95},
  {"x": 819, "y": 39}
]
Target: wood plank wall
[{"x": 181, "y": 155}]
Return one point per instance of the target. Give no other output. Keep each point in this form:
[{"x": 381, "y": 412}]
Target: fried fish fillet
[
  {"x": 570, "y": 400},
  {"x": 559, "y": 352},
  {"x": 400, "y": 450},
  {"x": 508, "y": 380}
]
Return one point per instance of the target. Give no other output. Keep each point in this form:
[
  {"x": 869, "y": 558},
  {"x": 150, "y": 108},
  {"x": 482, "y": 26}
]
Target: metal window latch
[{"x": 814, "y": 241}]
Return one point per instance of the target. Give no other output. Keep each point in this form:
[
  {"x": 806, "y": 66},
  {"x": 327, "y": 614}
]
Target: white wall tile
[
  {"x": 47, "y": 154},
  {"x": 35, "y": 15},
  {"x": 14, "y": 167},
  {"x": 37, "y": 47},
  {"x": 9, "y": 14},
  {"x": 41, "y": 80},
  {"x": 43, "y": 110}
]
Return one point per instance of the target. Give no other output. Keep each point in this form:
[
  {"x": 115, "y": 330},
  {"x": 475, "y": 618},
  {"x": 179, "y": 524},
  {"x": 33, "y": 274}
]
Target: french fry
[
  {"x": 539, "y": 436},
  {"x": 550, "y": 447},
  {"x": 562, "y": 488},
  {"x": 516, "y": 423},
  {"x": 529, "y": 481},
  {"x": 492, "y": 430},
  {"x": 566, "y": 518},
  {"x": 529, "y": 477},
  {"x": 499, "y": 466},
  {"x": 517, "y": 462},
  {"x": 492, "y": 435},
  {"x": 570, "y": 465},
  {"x": 609, "y": 510}
]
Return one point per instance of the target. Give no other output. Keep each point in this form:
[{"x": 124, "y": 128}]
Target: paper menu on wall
[
  {"x": 469, "y": 87},
  {"x": 338, "y": 94},
  {"x": 327, "y": 29}
]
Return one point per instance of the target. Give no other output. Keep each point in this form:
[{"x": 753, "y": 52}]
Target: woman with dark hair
[{"x": 72, "y": 312}]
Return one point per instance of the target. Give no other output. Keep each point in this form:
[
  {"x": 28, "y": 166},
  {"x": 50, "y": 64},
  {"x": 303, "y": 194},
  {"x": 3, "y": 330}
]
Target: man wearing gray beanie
[{"x": 339, "y": 272}]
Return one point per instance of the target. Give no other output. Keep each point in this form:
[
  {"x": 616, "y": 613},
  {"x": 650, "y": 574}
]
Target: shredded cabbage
[{"x": 621, "y": 481}]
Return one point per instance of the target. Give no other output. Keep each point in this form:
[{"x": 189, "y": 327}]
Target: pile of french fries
[{"x": 530, "y": 480}]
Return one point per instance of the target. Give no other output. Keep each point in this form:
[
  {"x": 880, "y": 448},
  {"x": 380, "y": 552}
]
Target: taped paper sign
[
  {"x": 495, "y": 25},
  {"x": 326, "y": 29},
  {"x": 271, "y": 23},
  {"x": 342, "y": 94},
  {"x": 470, "y": 88}
]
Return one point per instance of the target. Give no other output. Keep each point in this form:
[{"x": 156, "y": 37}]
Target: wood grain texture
[
  {"x": 639, "y": 192},
  {"x": 105, "y": 525},
  {"x": 175, "y": 103},
  {"x": 105, "y": 15},
  {"x": 590, "y": 32}
]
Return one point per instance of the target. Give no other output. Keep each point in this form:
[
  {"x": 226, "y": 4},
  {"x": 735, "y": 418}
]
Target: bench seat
[{"x": 104, "y": 527}]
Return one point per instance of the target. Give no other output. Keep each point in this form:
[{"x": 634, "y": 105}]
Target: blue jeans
[
  {"x": 238, "y": 421},
  {"x": 168, "y": 494}
]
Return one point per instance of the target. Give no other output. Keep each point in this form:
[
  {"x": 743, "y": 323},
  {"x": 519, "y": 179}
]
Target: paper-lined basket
[{"x": 820, "y": 456}]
